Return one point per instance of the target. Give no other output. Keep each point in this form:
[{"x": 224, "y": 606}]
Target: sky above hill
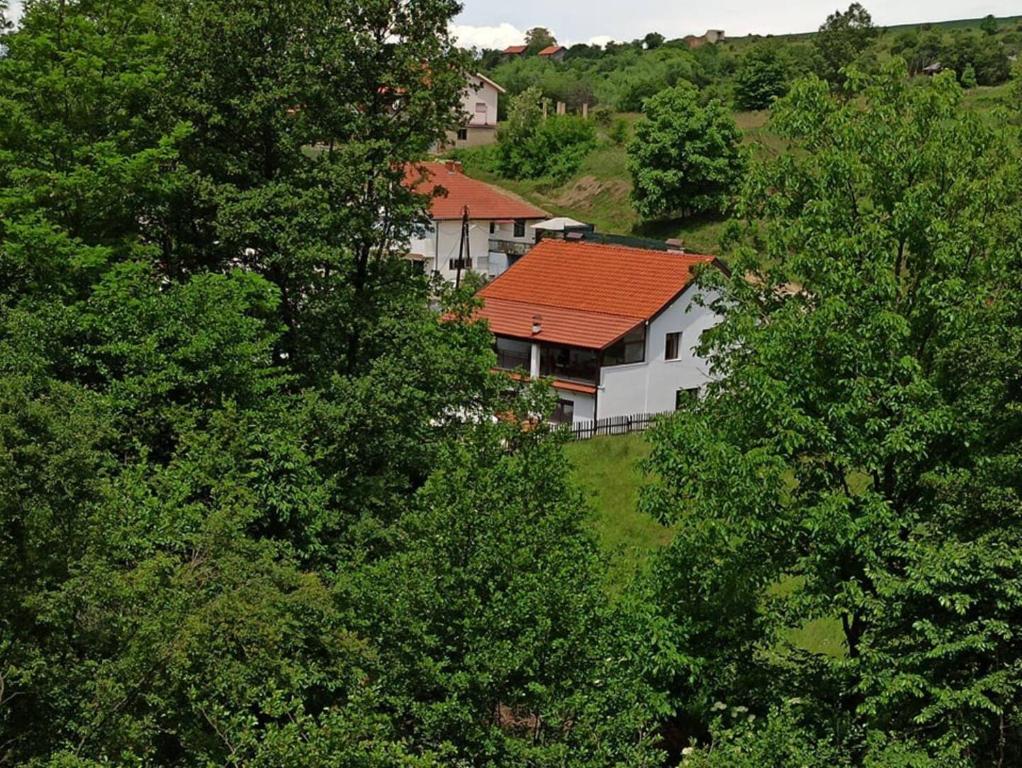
[{"x": 496, "y": 24}]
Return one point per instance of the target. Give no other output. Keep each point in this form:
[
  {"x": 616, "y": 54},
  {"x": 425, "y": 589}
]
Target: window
[
  {"x": 463, "y": 134},
  {"x": 513, "y": 355},
  {"x": 630, "y": 349},
  {"x": 683, "y": 398},
  {"x": 564, "y": 413},
  {"x": 456, "y": 264},
  {"x": 519, "y": 227},
  {"x": 493, "y": 227},
  {"x": 481, "y": 109},
  {"x": 673, "y": 346},
  {"x": 568, "y": 363}
]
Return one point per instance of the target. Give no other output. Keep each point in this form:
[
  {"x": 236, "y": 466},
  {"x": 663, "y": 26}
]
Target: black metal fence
[{"x": 615, "y": 425}]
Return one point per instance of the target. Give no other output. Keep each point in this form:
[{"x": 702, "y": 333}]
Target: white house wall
[
  {"x": 652, "y": 386},
  {"x": 479, "y": 92},
  {"x": 441, "y": 245},
  {"x": 584, "y": 405}
]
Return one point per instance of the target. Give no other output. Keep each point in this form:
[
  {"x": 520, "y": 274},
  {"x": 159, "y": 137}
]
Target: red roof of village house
[
  {"x": 484, "y": 202},
  {"x": 550, "y": 50},
  {"x": 585, "y": 294},
  {"x": 515, "y": 50}
]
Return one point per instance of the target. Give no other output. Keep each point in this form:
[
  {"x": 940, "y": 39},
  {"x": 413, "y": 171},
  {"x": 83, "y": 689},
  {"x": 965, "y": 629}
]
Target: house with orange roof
[
  {"x": 614, "y": 328},
  {"x": 514, "y": 51},
  {"x": 553, "y": 53},
  {"x": 474, "y": 226}
]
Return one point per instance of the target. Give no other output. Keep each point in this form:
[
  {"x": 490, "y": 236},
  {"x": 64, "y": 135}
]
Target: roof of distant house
[
  {"x": 488, "y": 81},
  {"x": 483, "y": 201},
  {"x": 551, "y": 50},
  {"x": 585, "y": 294},
  {"x": 515, "y": 50}
]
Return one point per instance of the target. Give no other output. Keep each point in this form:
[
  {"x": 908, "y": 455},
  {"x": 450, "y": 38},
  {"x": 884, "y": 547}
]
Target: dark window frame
[
  {"x": 519, "y": 228},
  {"x": 673, "y": 339}
]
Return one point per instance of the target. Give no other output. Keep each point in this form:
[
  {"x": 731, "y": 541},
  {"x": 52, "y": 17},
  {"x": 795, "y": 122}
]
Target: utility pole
[{"x": 464, "y": 248}]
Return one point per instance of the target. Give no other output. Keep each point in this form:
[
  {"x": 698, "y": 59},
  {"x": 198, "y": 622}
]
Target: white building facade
[
  {"x": 614, "y": 330},
  {"x": 480, "y": 106},
  {"x": 500, "y": 227}
]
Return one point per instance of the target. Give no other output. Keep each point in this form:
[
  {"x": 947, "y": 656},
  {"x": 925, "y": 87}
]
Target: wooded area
[{"x": 254, "y": 509}]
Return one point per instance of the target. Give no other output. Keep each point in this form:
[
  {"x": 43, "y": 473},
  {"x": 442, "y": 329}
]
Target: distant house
[
  {"x": 554, "y": 53},
  {"x": 613, "y": 327},
  {"x": 500, "y": 226},
  {"x": 712, "y": 37},
  {"x": 514, "y": 51},
  {"x": 480, "y": 103}
]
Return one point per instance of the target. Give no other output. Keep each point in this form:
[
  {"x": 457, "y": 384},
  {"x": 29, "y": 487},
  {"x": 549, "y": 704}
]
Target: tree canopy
[
  {"x": 858, "y": 461},
  {"x": 684, "y": 158}
]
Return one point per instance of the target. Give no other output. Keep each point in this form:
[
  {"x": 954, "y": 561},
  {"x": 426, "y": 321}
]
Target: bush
[
  {"x": 684, "y": 158},
  {"x": 530, "y": 147}
]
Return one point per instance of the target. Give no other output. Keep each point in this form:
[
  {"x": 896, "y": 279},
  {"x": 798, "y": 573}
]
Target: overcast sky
[{"x": 498, "y": 23}]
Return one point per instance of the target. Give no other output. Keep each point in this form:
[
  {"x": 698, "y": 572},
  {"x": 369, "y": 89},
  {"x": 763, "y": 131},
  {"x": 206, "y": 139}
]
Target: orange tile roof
[
  {"x": 484, "y": 202},
  {"x": 586, "y": 294},
  {"x": 514, "y": 50},
  {"x": 568, "y": 386},
  {"x": 550, "y": 50}
]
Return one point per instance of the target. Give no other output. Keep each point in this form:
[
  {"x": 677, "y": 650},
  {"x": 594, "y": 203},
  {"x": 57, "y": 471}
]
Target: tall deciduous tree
[
  {"x": 859, "y": 461},
  {"x": 684, "y": 158},
  {"x": 841, "y": 39}
]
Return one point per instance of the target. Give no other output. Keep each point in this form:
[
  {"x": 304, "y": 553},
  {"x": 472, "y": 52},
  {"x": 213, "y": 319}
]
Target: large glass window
[
  {"x": 630, "y": 349},
  {"x": 513, "y": 355},
  {"x": 568, "y": 363}
]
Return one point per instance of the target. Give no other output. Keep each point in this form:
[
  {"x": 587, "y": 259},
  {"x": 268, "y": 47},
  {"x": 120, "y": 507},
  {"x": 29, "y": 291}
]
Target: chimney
[
  {"x": 537, "y": 324},
  {"x": 454, "y": 166},
  {"x": 675, "y": 245}
]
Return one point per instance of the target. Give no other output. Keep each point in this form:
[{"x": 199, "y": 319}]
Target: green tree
[
  {"x": 531, "y": 146},
  {"x": 858, "y": 462},
  {"x": 842, "y": 38},
  {"x": 763, "y": 75},
  {"x": 968, "y": 78},
  {"x": 989, "y": 24},
  {"x": 684, "y": 158},
  {"x": 652, "y": 41}
]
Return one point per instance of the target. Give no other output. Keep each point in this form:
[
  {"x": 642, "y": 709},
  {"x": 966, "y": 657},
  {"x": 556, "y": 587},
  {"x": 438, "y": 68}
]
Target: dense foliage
[
  {"x": 859, "y": 461},
  {"x": 684, "y": 158},
  {"x": 235, "y": 434},
  {"x": 531, "y": 145}
]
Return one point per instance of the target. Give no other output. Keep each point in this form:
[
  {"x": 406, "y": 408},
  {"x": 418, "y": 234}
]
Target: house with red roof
[
  {"x": 474, "y": 226},
  {"x": 514, "y": 51},
  {"x": 554, "y": 53},
  {"x": 614, "y": 328}
]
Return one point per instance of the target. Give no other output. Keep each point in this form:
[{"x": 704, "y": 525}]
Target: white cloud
[
  {"x": 601, "y": 40},
  {"x": 498, "y": 37}
]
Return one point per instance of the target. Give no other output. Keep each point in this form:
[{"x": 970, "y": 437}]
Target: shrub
[{"x": 530, "y": 147}]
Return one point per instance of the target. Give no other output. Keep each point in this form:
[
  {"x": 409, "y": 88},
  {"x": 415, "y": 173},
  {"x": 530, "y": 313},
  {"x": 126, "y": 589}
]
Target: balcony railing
[{"x": 509, "y": 247}]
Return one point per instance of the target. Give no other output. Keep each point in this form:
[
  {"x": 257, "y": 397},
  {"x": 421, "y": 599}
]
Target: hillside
[{"x": 599, "y": 192}]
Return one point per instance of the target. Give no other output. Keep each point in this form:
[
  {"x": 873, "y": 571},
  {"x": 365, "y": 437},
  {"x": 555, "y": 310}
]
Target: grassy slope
[
  {"x": 599, "y": 193},
  {"x": 607, "y": 469}
]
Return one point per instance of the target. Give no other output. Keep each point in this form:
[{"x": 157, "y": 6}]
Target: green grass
[
  {"x": 607, "y": 469},
  {"x": 600, "y": 191}
]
